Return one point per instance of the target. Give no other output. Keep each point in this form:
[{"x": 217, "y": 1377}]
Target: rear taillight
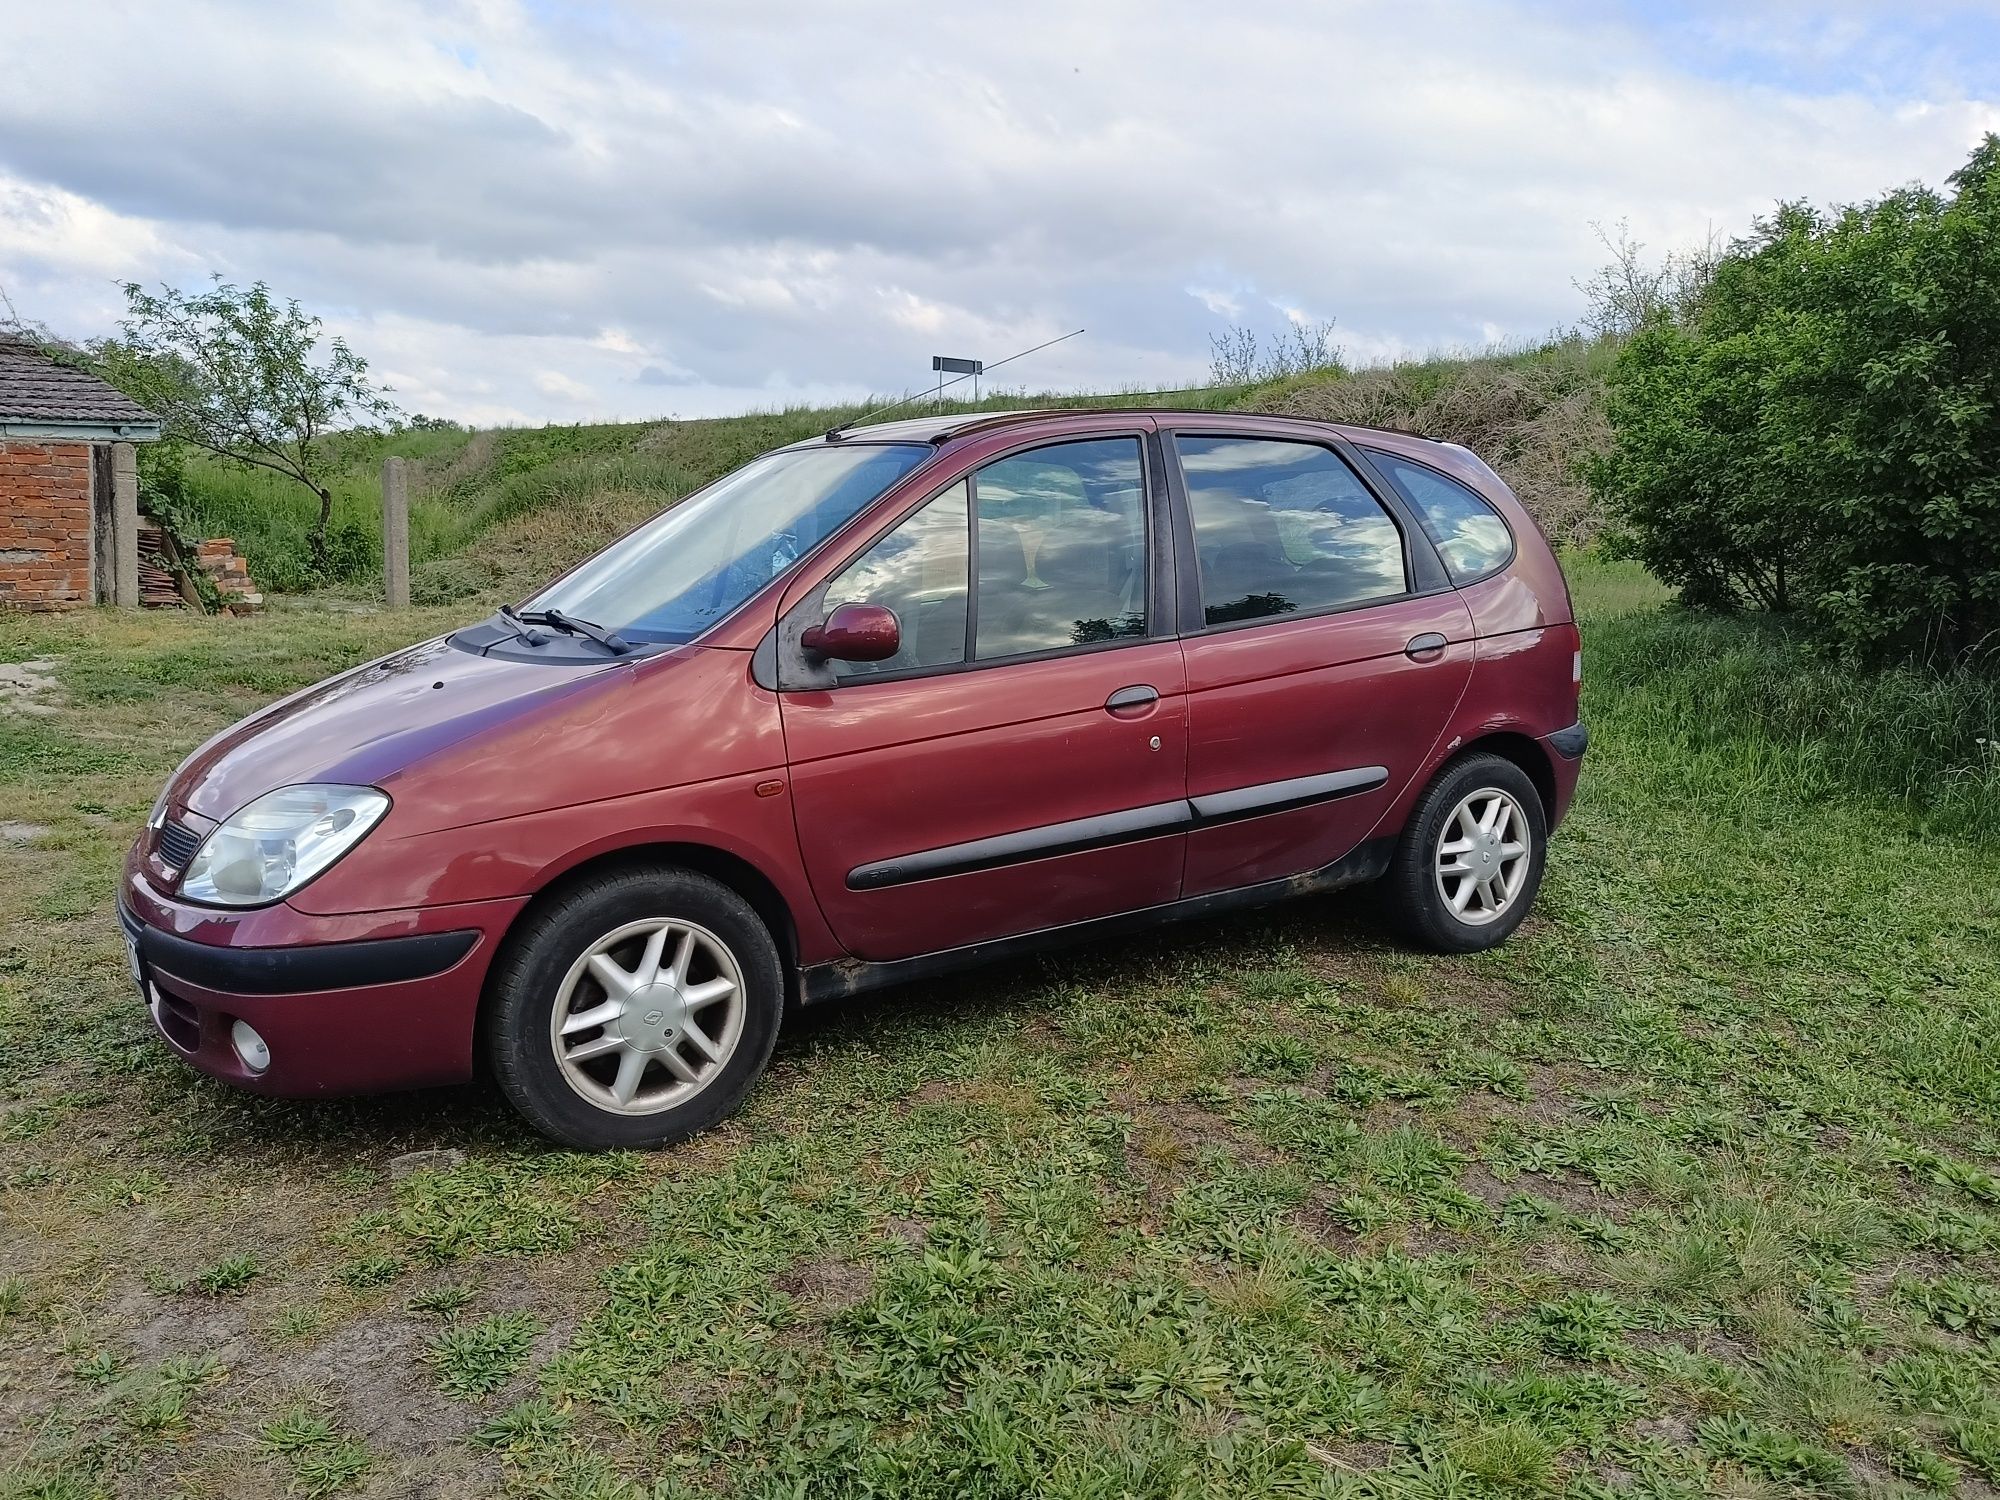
[{"x": 1576, "y": 667}]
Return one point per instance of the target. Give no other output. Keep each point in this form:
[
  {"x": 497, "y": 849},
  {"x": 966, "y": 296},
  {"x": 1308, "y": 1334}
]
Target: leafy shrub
[
  {"x": 353, "y": 552},
  {"x": 1820, "y": 429}
]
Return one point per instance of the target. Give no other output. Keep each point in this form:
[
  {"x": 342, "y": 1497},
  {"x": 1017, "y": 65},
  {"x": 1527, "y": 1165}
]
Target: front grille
[{"x": 176, "y": 844}]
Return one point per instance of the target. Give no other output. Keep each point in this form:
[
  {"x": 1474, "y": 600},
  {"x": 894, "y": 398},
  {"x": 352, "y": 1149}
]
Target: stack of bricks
[
  {"x": 45, "y": 543},
  {"x": 159, "y": 581},
  {"x": 217, "y": 557}
]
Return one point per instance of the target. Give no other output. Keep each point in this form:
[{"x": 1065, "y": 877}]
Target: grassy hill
[{"x": 494, "y": 512}]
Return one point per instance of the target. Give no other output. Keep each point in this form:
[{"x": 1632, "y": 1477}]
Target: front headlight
[{"x": 275, "y": 845}]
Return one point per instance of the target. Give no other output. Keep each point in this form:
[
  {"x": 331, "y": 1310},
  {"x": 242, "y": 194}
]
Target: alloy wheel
[
  {"x": 648, "y": 1016},
  {"x": 1483, "y": 857}
]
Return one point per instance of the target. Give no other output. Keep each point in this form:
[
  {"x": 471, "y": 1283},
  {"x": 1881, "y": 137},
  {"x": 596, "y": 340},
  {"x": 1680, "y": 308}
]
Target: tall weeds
[{"x": 1691, "y": 690}]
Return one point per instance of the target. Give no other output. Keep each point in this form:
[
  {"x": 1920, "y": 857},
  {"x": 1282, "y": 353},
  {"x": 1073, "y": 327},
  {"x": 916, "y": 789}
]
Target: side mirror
[{"x": 855, "y": 632}]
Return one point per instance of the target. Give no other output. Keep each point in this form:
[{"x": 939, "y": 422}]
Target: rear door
[
  {"x": 1325, "y": 653},
  {"x": 1021, "y": 763}
]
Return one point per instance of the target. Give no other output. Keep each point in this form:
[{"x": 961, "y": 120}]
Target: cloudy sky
[{"x": 531, "y": 210}]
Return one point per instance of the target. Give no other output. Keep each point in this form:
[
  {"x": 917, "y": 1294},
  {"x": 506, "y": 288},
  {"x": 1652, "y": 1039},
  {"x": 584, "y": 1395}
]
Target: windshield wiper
[
  {"x": 522, "y": 628},
  {"x": 571, "y": 625}
]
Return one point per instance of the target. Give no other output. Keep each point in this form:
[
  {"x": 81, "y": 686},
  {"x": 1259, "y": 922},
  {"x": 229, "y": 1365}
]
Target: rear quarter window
[{"x": 1469, "y": 534}]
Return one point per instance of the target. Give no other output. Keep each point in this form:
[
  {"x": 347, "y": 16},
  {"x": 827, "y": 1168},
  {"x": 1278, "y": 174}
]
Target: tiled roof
[{"x": 35, "y": 388}]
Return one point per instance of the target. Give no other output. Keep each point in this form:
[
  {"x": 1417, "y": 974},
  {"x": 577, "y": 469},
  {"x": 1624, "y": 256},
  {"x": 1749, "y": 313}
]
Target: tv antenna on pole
[{"x": 941, "y": 364}]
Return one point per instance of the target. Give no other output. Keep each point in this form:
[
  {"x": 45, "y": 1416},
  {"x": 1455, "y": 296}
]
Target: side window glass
[
  {"x": 1470, "y": 536},
  {"x": 919, "y": 570},
  {"x": 1283, "y": 527},
  {"x": 1062, "y": 548}
]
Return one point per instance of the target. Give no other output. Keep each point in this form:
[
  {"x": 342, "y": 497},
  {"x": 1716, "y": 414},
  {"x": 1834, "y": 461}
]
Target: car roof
[{"x": 944, "y": 427}]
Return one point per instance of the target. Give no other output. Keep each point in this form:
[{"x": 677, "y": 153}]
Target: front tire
[
  {"x": 1470, "y": 860},
  {"x": 635, "y": 1009}
]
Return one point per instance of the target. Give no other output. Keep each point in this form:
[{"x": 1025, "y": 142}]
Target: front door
[
  {"x": 1318, "y": 679},
  {"x": 1020, "y": 763}
]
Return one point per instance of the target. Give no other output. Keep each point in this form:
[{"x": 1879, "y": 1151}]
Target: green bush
[{"x": 1819, "y": 430}]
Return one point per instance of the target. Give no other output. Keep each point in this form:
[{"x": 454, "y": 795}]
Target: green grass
[
  {"x": 1791, "y": 722},
  {"x": 1693, "y": 1188},
  {"x": 322, "y": 1459},
  {"x": 476, "y": 1359}
]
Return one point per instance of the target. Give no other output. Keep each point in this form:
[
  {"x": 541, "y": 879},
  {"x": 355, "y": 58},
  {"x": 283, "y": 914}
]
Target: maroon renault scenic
[{"x": 876, "y": 705}]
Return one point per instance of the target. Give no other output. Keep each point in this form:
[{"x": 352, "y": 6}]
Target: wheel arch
[
  {"x": 1522, "y": 750},
  {"x": 727, "y": 869}
]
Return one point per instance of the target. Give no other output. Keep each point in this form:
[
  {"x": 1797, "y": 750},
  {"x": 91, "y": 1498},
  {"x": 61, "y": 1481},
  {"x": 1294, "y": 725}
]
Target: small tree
[
  {"x": 242, "y": 375},
  {"x": 1629, "y": 290}
]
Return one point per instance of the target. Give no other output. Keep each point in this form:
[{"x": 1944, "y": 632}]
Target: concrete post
[
  {"x": 124, "y": 526},
  {"x": 396, "y": 532}
]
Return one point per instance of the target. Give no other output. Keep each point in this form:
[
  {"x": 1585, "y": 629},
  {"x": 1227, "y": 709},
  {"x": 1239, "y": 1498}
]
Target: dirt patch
[
  {"x": 1712, "y": 1342},
  {"x": 30, "y": 687},
  {"x": 827, "y": 1286},
  {"x": 1566, "y": 1193},
  {"x": 1169, "y": 1136},
  {"x": 1676, "y": 1431},
  {"x": 1351, "y": 1458},
  {"x": 433, "y": 1160},
  {"x": 156, "y": 1328},
  {"x": 20, "y": 833},
  {"x": 1010, "y": 1102},
  {"x": 375, "y": 1367},
  {"x": 1314, "y": 1219}
]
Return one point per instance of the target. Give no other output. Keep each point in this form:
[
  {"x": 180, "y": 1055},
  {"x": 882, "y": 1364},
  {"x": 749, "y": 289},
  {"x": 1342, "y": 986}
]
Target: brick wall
[{"x": 44, "y": 524}]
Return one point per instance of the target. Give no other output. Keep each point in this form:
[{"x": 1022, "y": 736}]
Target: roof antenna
[{"x": 833, "y": 433}]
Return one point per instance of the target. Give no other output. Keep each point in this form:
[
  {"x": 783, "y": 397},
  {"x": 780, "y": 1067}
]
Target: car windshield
[{"x": 691, "y": 565}]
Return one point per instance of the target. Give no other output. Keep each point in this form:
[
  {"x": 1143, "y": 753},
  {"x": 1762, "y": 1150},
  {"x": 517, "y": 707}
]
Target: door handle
[
  {"x": 1426, "y": 647},
  {"x": 1132, "y": 700}
]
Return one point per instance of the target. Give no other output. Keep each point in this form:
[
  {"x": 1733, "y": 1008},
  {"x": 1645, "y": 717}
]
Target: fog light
[{"x": 250, "y": 1046}]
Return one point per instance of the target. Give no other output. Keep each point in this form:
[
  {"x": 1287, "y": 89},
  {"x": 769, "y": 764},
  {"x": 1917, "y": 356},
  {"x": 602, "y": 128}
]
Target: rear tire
[
  {"x": 1469, "y": 864},
  {"x": 634, "y": 1009}
]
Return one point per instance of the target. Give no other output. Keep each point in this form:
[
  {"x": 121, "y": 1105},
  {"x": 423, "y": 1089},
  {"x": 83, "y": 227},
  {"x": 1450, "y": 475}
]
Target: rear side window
[
  {"x": 1283, "y": 528},
  {"x": 1470, "y": 536}
]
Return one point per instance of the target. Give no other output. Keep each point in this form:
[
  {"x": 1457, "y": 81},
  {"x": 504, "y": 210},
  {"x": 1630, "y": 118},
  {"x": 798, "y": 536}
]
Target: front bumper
[{"x": 341, "y": 1010}]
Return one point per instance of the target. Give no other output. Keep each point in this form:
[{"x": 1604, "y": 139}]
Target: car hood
[{"x": 369, "y": 726}]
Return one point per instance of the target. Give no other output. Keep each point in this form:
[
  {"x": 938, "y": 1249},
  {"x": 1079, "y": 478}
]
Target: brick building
[{"x": 68, "y": 484}]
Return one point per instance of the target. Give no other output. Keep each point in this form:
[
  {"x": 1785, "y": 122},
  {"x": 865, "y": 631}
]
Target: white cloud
[
  {"x": 1222, "y": 304},
  {"x": 521, "y": 211}
]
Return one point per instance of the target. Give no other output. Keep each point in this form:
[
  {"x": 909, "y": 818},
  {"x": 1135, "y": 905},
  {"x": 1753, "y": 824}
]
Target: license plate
[{"x": 136, "y": 964}]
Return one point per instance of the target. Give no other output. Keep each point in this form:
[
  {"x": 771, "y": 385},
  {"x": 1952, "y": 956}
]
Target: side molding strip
[
  {"x": 1127, "y": 826},
  {"x": 1030, "y": 843},
  {"x": 1277, "y": 796}
]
